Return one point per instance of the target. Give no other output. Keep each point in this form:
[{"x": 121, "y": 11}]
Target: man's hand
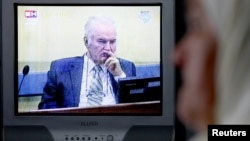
[{"x": 113, "y": 64}]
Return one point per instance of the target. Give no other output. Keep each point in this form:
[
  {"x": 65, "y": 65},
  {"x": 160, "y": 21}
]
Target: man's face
[
  {"x": 195, "y": 56},
  {"x": 102, "y": 42}
]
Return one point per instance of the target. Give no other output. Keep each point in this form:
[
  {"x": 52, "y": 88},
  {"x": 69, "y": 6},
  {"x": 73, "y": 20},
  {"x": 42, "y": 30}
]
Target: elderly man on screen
[{"x": 91, "y": 79}]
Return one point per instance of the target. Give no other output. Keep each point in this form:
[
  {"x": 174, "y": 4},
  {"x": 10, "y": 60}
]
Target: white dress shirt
[{"x": 109, "y": 98}]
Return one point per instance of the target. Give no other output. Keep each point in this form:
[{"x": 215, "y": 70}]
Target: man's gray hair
[{"x": 100, "y": 19}]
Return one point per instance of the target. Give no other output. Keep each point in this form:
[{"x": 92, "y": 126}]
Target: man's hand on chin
[{"x": 113, "y": 64}]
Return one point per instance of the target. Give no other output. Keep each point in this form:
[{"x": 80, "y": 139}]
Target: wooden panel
[{"x": 138, "y": 108}]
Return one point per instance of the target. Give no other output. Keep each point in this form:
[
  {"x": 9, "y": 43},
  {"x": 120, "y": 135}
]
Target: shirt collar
[{"x": 91, "y": 64}]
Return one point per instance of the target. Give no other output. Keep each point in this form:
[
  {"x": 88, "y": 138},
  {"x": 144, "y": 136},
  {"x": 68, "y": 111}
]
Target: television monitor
[
  {"x": 139, "y": 89},
  {"x": 34, "y": 33}
]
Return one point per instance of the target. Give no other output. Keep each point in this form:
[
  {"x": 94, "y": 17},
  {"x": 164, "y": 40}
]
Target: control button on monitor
[{"x": 110, "y": 138}]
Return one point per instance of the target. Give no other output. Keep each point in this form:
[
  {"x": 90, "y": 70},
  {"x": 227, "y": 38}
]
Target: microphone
[{"x": 26, "y": 70}]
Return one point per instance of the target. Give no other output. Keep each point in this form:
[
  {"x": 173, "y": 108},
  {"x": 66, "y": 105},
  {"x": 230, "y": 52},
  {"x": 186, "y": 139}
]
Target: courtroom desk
[{"x": 137, "y": 108}]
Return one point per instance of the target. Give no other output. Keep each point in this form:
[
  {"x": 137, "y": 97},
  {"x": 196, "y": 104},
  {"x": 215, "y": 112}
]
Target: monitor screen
[
  {"x": 50, "y": 46},
  {"x": 50, "y": 40},
  {"x": 139, "y": 89}
]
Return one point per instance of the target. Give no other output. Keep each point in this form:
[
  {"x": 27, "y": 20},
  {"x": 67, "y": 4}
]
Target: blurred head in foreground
[{"x": 214, "y": 59}]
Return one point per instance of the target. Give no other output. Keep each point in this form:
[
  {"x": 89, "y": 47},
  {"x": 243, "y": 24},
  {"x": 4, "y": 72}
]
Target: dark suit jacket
[{"x": 64, "y": 82}]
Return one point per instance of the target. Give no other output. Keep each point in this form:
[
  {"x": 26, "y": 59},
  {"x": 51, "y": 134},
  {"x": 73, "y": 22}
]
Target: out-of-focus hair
[{"x": 232, "y": 22}]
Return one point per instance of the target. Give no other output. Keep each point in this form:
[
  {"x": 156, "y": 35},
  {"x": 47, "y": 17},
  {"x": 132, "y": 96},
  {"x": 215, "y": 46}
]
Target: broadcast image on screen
[{"x": 88, "y": 59}]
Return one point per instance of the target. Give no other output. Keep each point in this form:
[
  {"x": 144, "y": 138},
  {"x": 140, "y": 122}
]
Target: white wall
[{"x": 57, "y": 32}]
